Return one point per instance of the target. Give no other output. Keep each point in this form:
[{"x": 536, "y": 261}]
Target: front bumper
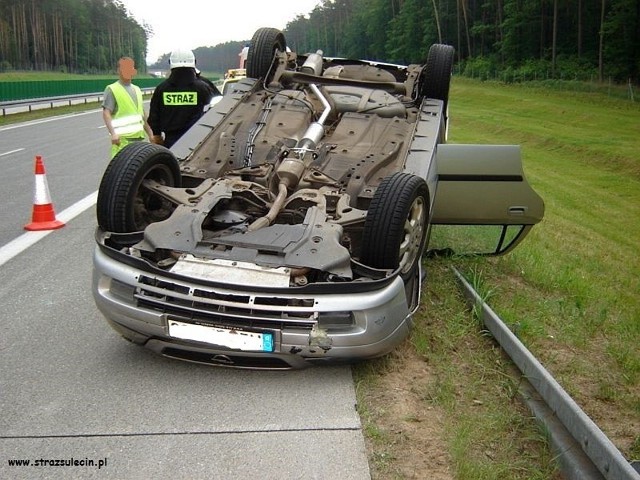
[{"x": 306, "y": 326}]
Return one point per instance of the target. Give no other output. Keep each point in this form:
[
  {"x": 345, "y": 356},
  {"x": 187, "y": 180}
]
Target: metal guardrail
[
  {"x": 55, "y": 101},
  {"x": 52, "y": 101},
  {"x": 584, "y": 450}
]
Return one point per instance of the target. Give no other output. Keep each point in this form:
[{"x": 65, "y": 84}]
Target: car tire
[
  {"x": 396, "y": 224},
  {"x": 436, "y": 76},
  {"x": 124, "y": 205},
  {"x": 264, "y": 44}
]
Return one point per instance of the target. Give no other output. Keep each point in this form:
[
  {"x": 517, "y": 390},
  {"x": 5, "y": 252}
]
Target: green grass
[
  {"x": 581, "y": 264},
  {"x": 572, "y": 287},
  {"x": 571, "y": 290},
  {"x": 47, "y": 112},
  {"x": 488, "y": 430}
]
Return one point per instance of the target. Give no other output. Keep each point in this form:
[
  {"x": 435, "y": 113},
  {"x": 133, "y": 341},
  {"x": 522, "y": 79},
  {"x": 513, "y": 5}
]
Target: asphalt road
[{"x": 72, "y": 392}]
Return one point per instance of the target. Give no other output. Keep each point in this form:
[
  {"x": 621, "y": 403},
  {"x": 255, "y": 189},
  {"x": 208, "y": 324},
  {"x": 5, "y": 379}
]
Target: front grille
[{"x": 221, "y": 308}]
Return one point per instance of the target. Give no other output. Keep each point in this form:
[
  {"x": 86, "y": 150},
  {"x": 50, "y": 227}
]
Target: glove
[{"x": 157, "y": 139}]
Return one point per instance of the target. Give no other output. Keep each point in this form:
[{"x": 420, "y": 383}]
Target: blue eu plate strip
[{"x": 267, "y": 342}]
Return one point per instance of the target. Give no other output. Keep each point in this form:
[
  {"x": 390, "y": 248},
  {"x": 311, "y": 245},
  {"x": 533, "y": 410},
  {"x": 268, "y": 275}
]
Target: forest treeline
[
  {"x": 574, "y": 38},
  {"x": 543, "y": 38},
  {"x": 80, "y": 36},
  {"x": 570, "y": 39}
]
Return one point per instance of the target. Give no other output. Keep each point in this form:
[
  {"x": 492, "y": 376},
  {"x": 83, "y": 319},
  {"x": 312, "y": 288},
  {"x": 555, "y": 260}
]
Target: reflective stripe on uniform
[
  {"x": 128, "y": 125},
  {"x": 180, "y": 98}
]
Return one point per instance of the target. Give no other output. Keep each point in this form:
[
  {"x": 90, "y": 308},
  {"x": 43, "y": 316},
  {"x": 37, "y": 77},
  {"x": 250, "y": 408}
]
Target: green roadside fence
[{"x": 10, "y": 91}]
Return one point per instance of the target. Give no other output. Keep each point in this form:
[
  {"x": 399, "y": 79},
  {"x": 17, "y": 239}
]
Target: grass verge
[
  {"x": 46, "y": 113},
  {"x": 570, "y": 291}
]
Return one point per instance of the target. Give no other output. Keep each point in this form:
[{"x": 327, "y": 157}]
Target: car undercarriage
[{"x": 289, "y": 222}]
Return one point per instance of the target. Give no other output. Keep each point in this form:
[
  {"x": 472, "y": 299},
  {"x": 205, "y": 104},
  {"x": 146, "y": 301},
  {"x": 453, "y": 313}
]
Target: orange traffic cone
[{"x": 43, "y": 217}]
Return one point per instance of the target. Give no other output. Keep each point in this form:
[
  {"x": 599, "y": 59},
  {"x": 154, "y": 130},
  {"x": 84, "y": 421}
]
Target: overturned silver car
[{"x": 288, "y": 226}]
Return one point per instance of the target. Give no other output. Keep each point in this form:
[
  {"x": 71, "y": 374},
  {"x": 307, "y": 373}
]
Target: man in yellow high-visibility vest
[{"x": 122, "y": 109}]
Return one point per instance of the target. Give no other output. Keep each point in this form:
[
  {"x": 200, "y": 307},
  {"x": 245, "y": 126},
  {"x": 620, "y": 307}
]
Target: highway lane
[
  {"x": 70, "y": 388},
  {"x": 75, "y": 150}
]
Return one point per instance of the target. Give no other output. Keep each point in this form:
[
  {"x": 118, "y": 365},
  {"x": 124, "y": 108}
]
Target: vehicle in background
[{"x": 232, "y": 76}]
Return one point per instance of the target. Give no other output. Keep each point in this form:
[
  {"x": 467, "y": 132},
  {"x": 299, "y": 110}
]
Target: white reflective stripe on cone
[{"x": 41, "y": 195}]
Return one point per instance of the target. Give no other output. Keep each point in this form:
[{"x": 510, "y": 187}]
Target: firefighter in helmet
[{"x": 179, "y": 101}]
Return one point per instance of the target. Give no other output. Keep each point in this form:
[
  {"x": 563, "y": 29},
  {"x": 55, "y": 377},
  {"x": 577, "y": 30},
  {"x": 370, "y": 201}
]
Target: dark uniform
[
  {"x": 178, "y": 103},
  {"x": 214, "y": 89}
]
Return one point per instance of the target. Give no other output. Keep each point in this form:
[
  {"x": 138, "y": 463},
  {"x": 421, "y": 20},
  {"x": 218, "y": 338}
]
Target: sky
[{"x": 204, "y": 23}]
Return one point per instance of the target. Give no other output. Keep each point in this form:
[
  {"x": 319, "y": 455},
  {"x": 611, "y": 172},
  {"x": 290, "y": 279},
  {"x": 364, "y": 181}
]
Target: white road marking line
[
  {"x": 24, "y": 241},
  {"x": 11, "y": 151},
  {"x": 46, "y": 120}
]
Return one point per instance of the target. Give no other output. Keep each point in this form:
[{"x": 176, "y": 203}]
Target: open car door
[{"x": 483, "y": 203}]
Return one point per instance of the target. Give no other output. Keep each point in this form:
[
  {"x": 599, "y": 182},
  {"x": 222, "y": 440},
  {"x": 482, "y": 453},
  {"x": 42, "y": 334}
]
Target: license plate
[{"x": 226, "y": 337}]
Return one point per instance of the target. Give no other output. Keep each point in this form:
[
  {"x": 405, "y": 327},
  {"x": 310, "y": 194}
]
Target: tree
[
  {"x": 620, "y": 40},
  {"x": 71, "y": 35},
  {"x": 405, "y": 31}
]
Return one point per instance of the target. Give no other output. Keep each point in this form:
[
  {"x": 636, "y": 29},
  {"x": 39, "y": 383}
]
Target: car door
[{"x": 483, "y": 202}]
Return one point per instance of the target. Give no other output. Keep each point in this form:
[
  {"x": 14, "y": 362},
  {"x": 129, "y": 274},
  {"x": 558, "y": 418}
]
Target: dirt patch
[{"x": 409, "y": 437}]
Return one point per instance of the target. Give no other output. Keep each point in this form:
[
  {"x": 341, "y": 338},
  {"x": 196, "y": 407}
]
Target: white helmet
[{"x": 182, "y": 58}]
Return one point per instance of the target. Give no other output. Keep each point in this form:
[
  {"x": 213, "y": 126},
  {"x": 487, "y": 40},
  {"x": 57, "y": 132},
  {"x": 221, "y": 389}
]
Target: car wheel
[
  {"x": 264, "y": 44},
  {"x": 396, "y": 224},
  {"x": 436, "y": 76},
  {"x": 124, "y": 203}
]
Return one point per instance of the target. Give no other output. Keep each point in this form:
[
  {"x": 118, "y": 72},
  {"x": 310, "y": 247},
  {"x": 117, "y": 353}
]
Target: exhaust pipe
[
  {"x": 292, "y": 168},
  {"x": 313, "y": 63}
]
